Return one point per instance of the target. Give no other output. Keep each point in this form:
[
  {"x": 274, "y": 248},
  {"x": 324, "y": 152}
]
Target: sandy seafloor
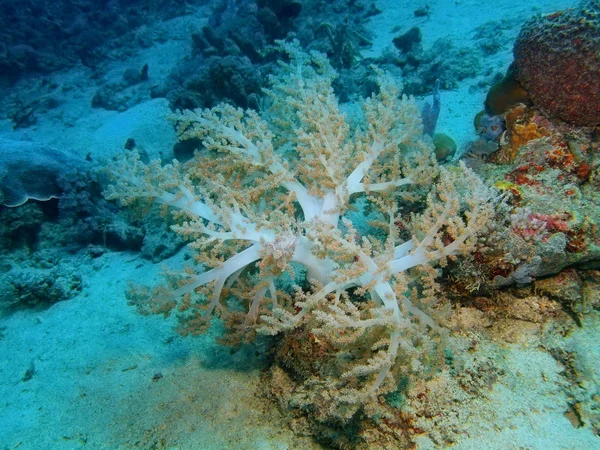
[{"x": 95, "y": 358}]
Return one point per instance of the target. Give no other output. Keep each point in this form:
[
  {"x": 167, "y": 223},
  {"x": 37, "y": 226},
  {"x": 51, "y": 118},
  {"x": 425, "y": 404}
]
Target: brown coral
[
  {"x": 521, "y": 127},
  {"x": 557, "y": 60}
]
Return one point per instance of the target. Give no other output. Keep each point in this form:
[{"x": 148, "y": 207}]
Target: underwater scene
[{"x": 299, "y": 225}]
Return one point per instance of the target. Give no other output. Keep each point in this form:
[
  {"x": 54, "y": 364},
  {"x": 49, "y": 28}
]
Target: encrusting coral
[{"x": 270, "y": 198}]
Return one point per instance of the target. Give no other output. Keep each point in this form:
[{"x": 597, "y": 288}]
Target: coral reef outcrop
[{"x": 557, "y": 60}]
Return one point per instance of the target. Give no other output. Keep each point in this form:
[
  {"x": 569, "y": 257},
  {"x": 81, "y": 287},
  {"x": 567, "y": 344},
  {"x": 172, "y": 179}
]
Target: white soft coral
[{"x": 267, "y": 195}]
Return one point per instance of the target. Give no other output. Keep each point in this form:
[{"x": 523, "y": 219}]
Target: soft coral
[{"x": 257, "y": 202}]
